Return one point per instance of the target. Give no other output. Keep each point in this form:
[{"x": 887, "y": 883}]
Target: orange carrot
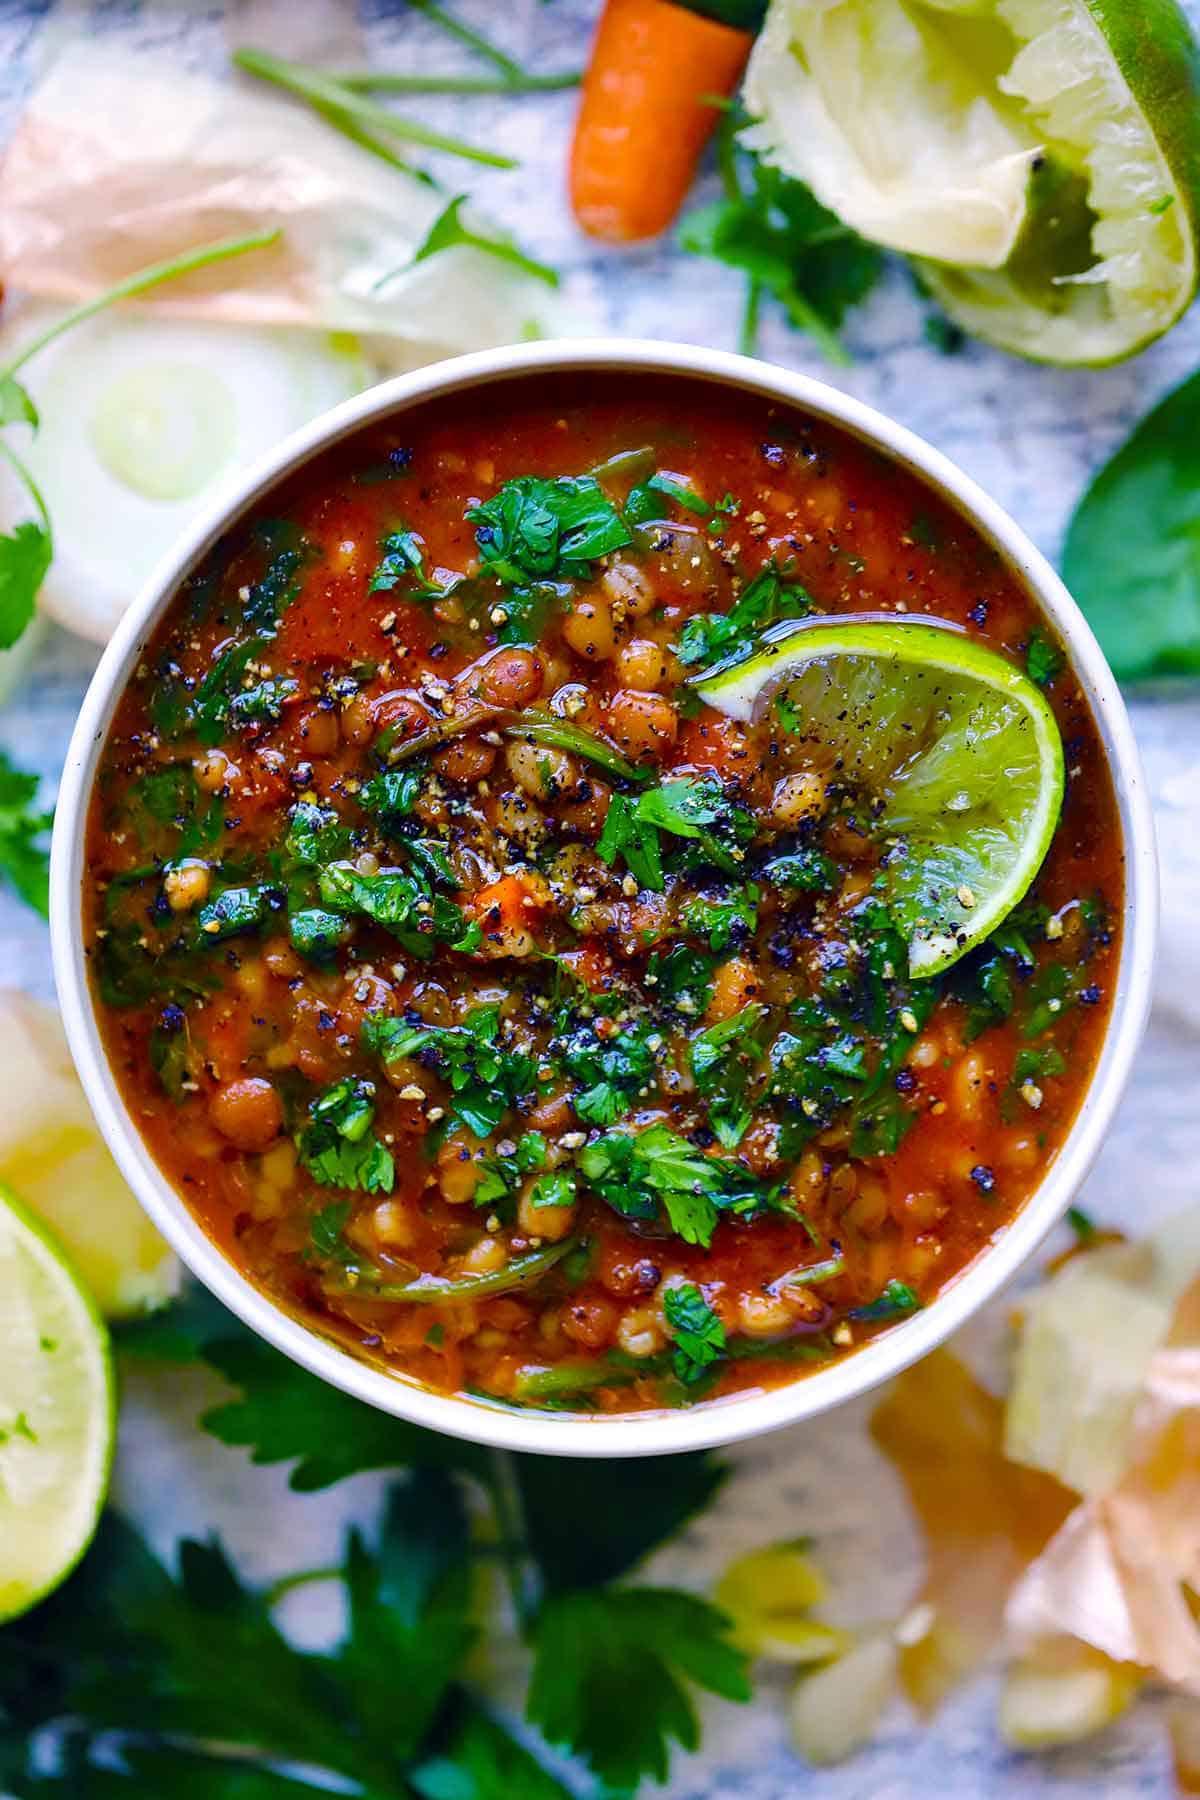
[{"x": 647, "y": 113}]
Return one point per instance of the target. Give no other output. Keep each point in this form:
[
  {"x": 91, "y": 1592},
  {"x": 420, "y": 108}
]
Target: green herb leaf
[
  {"x": 486, "y": 1076},
  {"x": 538, "y": 530},
  {"x": 234, "y": 912},
  {"x": 709, "y": 638},
  {"x": 24, "y": 855},
  {"x": 624, "y": 1655},
  {"x": 724, "y": 1059},
  {"x": 449, "y": 229},
  {"x": 25, "y": 554},
  {"x": 894, "y": 1302},
  {"x": 642, "y": 1174},
  {"x": 690, "y": 807},
  {"x": 698, "y": 1332},
  {"x": 779, "y": 235},
  {"x": 614, "y": 1070},
  {"x": 1043, "y": 660},
  {"x": 338, "y": 1147},
  {"x": 1132, "y": 555}
]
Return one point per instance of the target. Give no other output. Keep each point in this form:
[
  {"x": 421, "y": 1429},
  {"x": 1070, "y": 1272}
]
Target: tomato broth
[{"x": 503, "y": 1010}]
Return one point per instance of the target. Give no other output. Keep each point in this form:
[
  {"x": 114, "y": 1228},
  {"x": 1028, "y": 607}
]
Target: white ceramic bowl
[{"x": 739, "y": 1416}]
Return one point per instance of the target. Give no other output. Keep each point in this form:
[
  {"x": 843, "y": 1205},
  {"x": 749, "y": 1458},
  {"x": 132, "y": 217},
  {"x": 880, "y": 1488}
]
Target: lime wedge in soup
[
  {"x": 57, "y": 1412},
  {"x": 1041, "y": 158},
  {"x": 956, "y": 750}
]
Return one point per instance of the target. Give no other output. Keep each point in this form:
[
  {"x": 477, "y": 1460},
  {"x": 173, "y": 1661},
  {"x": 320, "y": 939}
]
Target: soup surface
[{"x": 504, "y": 1010}]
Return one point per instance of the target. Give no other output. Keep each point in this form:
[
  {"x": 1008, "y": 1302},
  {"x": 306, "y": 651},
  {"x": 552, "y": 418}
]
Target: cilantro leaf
[
  {"x": 391, "y": 795},
  {"x": 709, "y": 638},
  {"x": 402, "y": 904},
  {"x": 539, "y": 530},
  {"x": 788, "y": 245},
  {"x": 16, "y": 402},
  {"x": 609, "y": 1674},
  {"x": 24, "y": 857},
  {"x": 480, "y": 1760},
  {"x": 613, "y": 1070},
  {"x": 262, "y": 704},
  {"x": 486, "y": 1077},
  {"x": 285, "y": 1414},
  {"x": 698, "y": 1332},
  {"x": 692, "y": 808},
  {"x": 1043, "y": 660},
  {"x": 724, "y": 1058},
  {"x": 726, "y": 921},
  {"x": 25, "y": 554},
  {"x": 640, "y": 1174},
  {"x": 338, "y": 1147},
  {"x": 403, "y": 560},
  {"x": 894, "y": 1302}
]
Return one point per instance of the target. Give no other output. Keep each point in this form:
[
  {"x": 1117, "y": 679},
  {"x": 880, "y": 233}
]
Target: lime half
[
  {"x": 1040, "y": 157},
  {"x": 57, "y": 1412},
  {"x": 956, "y": 750}
]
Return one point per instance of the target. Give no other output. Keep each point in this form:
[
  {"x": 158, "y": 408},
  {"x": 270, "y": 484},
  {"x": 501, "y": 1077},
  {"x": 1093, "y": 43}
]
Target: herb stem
[
  {"x": 474, "y": 40},
  {"x": 387, "y": 81},
  {"x": 222, "y": 250},
  {"x": 328, "y": 96},
  {"x": 751, "y": 308},
  {"x": 279, "y": 1590},
  {"x": 20, "y": 467},
  {"x": 510, "y": 1523}
]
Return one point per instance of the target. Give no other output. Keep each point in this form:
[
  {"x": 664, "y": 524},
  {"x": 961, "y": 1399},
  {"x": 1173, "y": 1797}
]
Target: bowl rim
[{"x": 754, "y": 1411}]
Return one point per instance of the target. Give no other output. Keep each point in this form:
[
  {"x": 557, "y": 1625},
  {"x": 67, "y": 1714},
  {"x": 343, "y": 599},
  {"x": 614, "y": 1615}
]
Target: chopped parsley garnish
[
  {"x": 727, "y": 921},
  {"x": 698, "y": 1332},
  {"x": 555, "y": 1189},
  {"x": 403, "y": 561},
  {"x": 614, "y": 1070},
  {"x": 1043, "y": 660},
  {"x": 642, "y": 1175},
  {"x": 896, "y": 1299},
  {"x": 402, "y": 904},
  {"x": 236, "y": 911},
  {"x": 485, "y": 1076},
  {"x": 391, "y": 795},
  {"x": 24, "y": 857},
  {"x": 709, "y": 638},
  {"x": 536, "y": 530},
  {"x": 338, "y": 1147},
  {"x": 264, "y": 703},
  {"x": 690, "y": 808},
  {"x": 645, "y": 500},
  {"x": 315, "y": 835},
  {"x": 724, "y": 1058},
  {"x": 502, "y": 1174}
]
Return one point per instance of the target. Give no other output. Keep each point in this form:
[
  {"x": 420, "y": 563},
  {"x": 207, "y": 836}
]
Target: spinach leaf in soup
[{"x": 1132, "y": 556}]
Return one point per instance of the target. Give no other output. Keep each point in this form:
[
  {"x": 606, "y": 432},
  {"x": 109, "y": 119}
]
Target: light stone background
[{"x": 1031, "y": 436}]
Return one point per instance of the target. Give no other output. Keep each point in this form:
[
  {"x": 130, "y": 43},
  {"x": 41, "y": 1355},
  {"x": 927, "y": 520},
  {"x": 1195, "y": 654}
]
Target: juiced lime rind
[
  {"x": 958, "y": 748},
  {"x": 1107, "y": 90},
  {"x": 57, "y": 1412},
  {"x": 878, "y": 106}
]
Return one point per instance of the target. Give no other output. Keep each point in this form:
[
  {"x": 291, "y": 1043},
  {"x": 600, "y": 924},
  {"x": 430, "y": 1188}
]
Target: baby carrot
[{"x": 647, "y": 112}]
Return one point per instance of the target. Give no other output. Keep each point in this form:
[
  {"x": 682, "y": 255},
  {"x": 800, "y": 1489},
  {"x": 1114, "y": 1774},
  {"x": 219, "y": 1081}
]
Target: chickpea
[
  {"x": 432, "y": 1003},
  {"x": 358, "y": 720},
  {"x": 644, "y": 725},
  {"x": 539, "y": 771},
  {"x": 644, "y": 665},
  {"x": 588, "y": 629},
  {"x": 590, "y": 1320},
  {"x": 797, "y": 798},
  {"x": 485, "y": 1257},
  {"x": 868, "y": 1211},
  {"x": 765, "y": 1315},
  {"x": 320, "y": 732},
  {"x": 247, "y": 1112},
  {"x": 641, "y": 1332},
  {"x": 919, "y": 1209},
  {"x": 281, "y": 959},
  {"x": 404, "y": 717},
  {"x": 968, "y": 1085},
  {"x": 735, "y": 985},
  {"x": 552, "y": 1113},
  {"x": 458, "y": 1169},
  {"x": 553, "y": 1223},
  {"x": 187, "y": 884},
  {"x": 808, "y": 1180},
  {"x": 926, "y": 1053},
  {"x": 587, "y": 810},
  {"x": 512, "y": 678},
  {"x": 466, "y": 759},
  {"x": 279, "y": 1164},
  {"x": 392, "y": 1225},
  {"x": 215, "y": 771},
  {"x": 629, "y": 587},
  {"x": 250, "y": 978}
]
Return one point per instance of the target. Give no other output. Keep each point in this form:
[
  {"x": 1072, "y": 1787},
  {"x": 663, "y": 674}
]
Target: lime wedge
[
  {"x": 957, "y": 750},
  {"x": 1041, "y": 157},
  {"x": 57, "y": 1412}
]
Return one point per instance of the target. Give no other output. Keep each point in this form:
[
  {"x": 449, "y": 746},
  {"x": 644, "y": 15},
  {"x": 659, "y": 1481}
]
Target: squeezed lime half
[
  {"x": 1040, "y": 158},
  {"x": 57, "y": 1412},
  {"x": 956, "y": 749}
]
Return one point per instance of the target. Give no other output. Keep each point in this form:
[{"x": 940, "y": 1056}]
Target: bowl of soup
[{"x": 520, "y": 1031}]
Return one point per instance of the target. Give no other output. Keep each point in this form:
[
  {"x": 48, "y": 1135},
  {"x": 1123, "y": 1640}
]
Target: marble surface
[{"x": 1031, "y": 436}]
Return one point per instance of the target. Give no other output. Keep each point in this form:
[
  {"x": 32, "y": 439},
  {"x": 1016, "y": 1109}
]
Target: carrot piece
[{"x": 646, "y": 114}]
